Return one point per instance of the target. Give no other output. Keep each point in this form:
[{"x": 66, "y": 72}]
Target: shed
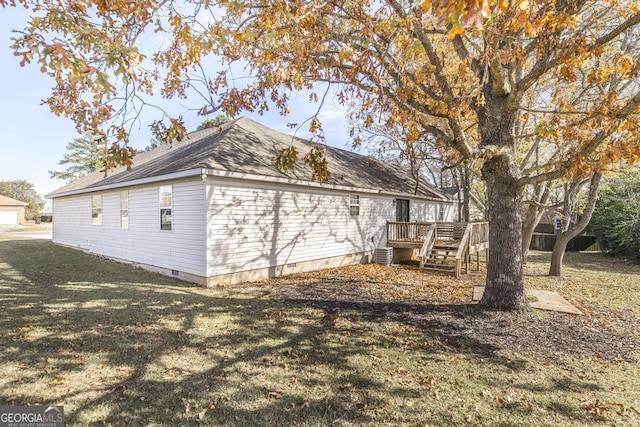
[{"x": 214, "y": 209}]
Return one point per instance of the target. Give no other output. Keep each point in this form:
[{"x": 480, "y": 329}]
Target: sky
[{"x": 33, "y": 140}]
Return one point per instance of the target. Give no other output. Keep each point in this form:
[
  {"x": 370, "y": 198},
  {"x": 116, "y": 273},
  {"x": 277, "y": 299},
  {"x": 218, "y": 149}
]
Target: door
[
  {"x": 402, "y": 210},
  {"x": 8, "y": 217}
]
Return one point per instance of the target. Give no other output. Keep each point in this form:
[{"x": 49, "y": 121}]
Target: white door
[{"x": 8, "y": 217}]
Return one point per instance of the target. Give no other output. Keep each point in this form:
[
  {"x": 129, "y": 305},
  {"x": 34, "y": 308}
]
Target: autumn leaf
[
  {"x": 276, "y": 394},
  {"x": 56, "y": 382},
  {"x": 187, "y": 406},
  {"x": 456, "y": 30},
  {"x": 202, "y": 413}
]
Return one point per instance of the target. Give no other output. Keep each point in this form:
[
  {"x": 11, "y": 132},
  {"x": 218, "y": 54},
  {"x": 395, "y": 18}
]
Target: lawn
[{"x": 364, "y": 345}]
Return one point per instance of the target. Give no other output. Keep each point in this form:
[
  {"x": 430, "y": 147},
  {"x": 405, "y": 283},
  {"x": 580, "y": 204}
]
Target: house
[
  {"x": 213, "y": 208},
  {"x": 11, "y": 211}
]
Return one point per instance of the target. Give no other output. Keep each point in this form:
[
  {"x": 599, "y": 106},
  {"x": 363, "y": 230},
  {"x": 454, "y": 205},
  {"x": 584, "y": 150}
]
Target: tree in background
[
  {"x": 206, "y": 124},
  {"x": 616, "y": 218},
  {"x": 218, "y": 120},
  {"x": 24, "y": 191},
  {"x": 153, "y": 144},
  {"x": 534, "y": 207},
  {"x": 576, "y": 217},
  {"x": 558, "y": 78},
  {"x": 424, "y": 161},
  {"x": 84, "y": 155}
]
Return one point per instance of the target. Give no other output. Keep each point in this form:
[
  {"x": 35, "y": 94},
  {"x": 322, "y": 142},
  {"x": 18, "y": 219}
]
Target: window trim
[
  {"x": 354, "y": 205},
  {"x": 163, "y": 189},
  {"x": 96, "y": 209},
  {"x": 124, "y": 209}
]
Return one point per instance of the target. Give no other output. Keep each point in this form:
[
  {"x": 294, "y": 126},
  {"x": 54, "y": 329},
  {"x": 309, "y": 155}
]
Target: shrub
[{"x": 616, "y": 219}]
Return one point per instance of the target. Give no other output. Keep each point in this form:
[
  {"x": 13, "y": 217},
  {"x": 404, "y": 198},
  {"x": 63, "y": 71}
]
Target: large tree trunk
[
  {"x": 505, "y": 283},
  {"x": 569, "y": 232}
]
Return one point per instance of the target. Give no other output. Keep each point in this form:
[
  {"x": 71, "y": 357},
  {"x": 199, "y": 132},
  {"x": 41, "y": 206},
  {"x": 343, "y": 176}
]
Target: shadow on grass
[{"x": 120, "y": 346}]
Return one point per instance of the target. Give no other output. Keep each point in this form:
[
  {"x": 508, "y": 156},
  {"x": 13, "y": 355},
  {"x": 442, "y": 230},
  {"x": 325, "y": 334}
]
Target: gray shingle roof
[
  {"x": 247, "y": 147},
  {"x": 8, "y": 201}
]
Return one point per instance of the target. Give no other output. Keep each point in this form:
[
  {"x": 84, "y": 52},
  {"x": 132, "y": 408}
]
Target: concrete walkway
[{"x": 546, "y": 300}]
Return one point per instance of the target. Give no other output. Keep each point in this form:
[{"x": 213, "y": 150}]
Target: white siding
[
  {"x": 254, "y": 225},
  {"x": 182, "y": 249}
]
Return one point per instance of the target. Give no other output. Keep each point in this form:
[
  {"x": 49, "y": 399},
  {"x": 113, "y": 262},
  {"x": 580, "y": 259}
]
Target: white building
[{"x": 213, "y": 209}]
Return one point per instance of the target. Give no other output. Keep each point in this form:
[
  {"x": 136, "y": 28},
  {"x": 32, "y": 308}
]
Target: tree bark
[
  {"x": 505, "y": 282},
  {"x": 563, "y": 238}
]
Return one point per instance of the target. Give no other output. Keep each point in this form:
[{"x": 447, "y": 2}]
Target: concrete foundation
[{"x": 249, "y": 275}]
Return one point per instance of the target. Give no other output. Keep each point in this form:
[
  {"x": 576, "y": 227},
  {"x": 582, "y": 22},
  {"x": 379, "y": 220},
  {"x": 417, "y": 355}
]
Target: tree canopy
[
  {"x": 216, "y": 121},
  {"x": 84, "y": 155},
  {"x": 24, "y": 191},
  {"x": 616, "y": 219},
  {"x": 532, "y": 90}
]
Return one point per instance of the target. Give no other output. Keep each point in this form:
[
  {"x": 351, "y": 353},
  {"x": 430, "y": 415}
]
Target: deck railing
[
  {"x": 427, "y": 245},
  {"x": 479, "y": 237},
  {"x": 407, "y": 232},
  {"x": 404, "y": 233}
]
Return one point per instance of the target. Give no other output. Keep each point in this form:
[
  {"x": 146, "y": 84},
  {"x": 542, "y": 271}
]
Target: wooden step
[
  {"x": 439, "y": 268},
  {"x": 441, "y": 256}
]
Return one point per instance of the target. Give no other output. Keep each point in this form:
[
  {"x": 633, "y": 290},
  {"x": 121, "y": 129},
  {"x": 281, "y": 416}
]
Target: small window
[
  {"x": 96, "y": 209},
  {"x": 166, "y": 207},
  {"x": 124, "y": 210},
  {"x": 354, "y": 205},
  {"x": 441, "y": 212}
]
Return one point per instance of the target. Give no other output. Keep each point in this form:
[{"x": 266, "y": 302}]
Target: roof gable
[
  {"x": 8, "y": 201},
  {"x": 247, "y": 147}
]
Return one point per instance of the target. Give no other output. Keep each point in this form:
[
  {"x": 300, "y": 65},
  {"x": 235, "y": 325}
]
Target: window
[
  {"x": 166, "y": 204},
  {"x": 354, "y": 205},
  {"x": 441, "y": 212},
  {"x": 96, "y": 209},
  {"x": 124, "y": 210}
]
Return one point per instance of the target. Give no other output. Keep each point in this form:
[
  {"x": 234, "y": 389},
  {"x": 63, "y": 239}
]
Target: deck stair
[
  {"x": 442, "y": 257},
  {"x": 443, "y": 246}
]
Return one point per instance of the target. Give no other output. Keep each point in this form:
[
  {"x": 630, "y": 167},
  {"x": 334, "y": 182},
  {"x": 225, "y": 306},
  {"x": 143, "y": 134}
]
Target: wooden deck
[
  {"x": 443, "y": 246},
  {"x": 412, "y": 234}
]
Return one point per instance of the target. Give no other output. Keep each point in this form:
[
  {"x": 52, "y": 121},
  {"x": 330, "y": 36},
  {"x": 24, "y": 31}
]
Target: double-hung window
[
  {"x": 96, "y": 209},
  {"x": 354, "y": 205},
  {"x": 166, "y": 207},
  {"x": 124, "y": 210}
]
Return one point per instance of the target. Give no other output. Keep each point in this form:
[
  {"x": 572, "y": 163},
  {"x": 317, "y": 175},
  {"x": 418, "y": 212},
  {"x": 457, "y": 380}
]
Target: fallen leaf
[
  {"x": 187, "y": 406},
  {"x": 276, "y": 394},
  {"x": 202, "y": 413},
  {"x": 56, "y": 381}
]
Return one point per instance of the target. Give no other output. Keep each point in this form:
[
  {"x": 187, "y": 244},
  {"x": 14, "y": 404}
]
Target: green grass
[
  {"x": 120, "y": 346},
  {"x": 590, "y": 279}
]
